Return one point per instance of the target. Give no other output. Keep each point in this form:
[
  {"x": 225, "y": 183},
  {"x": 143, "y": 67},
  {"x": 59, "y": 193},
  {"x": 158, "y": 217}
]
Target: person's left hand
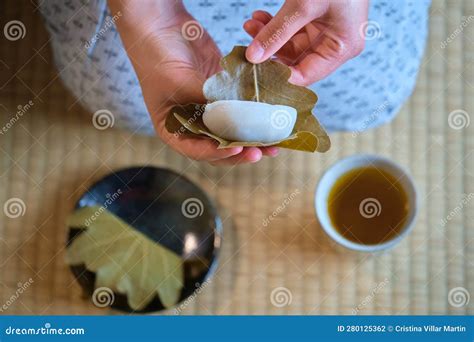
[{"x": 172, "y": 68}]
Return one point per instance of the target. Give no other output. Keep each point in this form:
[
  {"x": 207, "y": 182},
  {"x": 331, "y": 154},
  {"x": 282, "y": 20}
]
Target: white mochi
[{"x": 249, "y": 121}]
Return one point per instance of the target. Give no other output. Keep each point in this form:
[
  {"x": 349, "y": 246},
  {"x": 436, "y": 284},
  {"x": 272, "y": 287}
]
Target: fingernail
[
  {"x": 255, "y": 156},
  {"x": 275, "y": 152},
  {"x": 236, "y": 150},
  {"x": 247, "y": 24},
  {"x": 255, "y": 52}
]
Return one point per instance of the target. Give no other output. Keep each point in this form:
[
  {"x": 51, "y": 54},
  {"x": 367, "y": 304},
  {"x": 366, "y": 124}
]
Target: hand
[
  {"x": 172, "y": 68},
  {"x": 314, "y": 37}
]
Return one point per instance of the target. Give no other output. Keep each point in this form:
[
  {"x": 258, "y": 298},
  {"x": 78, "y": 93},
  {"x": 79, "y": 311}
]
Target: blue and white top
[{"x": 365, "y": 92}]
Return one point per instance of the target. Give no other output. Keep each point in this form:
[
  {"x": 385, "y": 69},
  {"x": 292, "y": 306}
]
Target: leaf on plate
[
  {"x": 124, "y": 259},
  {"x": 266, "y": 82}
]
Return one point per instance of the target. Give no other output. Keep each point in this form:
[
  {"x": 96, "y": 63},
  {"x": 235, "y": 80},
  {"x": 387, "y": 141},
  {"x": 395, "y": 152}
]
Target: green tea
[{"x": 368, "y": 205}]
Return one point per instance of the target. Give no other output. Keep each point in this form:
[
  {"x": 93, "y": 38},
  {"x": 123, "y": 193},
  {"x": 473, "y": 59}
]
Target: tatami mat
[{"x": 53, "y": 153}]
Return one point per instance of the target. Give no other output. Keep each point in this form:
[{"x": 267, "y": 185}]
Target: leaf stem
[{"x": 255, "y": 83}]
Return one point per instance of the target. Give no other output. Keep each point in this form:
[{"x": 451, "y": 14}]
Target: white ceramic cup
[{"x": 342, "y": 167}]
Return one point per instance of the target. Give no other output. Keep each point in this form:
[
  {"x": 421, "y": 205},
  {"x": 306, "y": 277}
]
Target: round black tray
[{"x": 167, "y": 208}]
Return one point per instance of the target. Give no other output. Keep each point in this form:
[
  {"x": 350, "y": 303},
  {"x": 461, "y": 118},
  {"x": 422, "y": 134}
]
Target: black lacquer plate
[{"x": 169, "y": 209}]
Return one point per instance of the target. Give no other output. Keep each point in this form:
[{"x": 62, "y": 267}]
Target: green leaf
[
  {"x": 124, "y": 259},
  {"x": 266, "y": 82}
]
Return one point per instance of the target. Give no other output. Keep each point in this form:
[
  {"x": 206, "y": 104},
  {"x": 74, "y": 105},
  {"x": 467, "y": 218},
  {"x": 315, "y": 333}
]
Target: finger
[
  {"x": 263, "y": 16},
  {"x": 288, "y": 53},
  {"x": 311, "y": 69},
  {"x": 287, "y": 22},
  {"x": 326, "y": 57},
  {"x": 248, "y": 155},
  {"x": 274, "y": 35},
  {"x": 270, "y": 151},
  {"x": 253, "y": 27}
]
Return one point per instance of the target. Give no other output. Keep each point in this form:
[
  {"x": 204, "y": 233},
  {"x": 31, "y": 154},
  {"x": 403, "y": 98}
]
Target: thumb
[{"x": 279, "y": 30}]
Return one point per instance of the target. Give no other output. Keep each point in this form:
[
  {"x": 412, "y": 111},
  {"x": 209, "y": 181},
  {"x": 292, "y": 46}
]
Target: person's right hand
[
  {"x": 313, "y": 37},
  {"x": 172, "y": 67}
]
